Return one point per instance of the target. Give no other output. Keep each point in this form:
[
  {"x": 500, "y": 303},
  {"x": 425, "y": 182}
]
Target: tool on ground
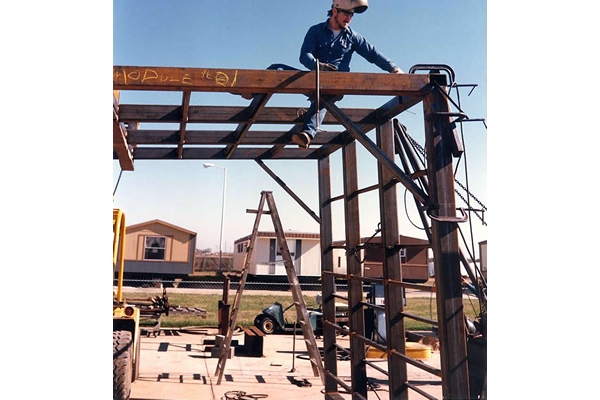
[
  {"x": 301, "y": 311},
  {"x": 294, "y": 348}
]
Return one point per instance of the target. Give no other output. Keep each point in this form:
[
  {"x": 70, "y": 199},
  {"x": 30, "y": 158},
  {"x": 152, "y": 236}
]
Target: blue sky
[{"x": 253, "y": 35}]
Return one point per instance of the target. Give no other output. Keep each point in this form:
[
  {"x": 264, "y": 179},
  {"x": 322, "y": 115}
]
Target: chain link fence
[{"x": 214, "y": 285}]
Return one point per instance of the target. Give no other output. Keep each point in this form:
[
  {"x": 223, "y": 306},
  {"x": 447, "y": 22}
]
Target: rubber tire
[
  {"x": 267, "y": 325},
  {"x": 136, "y": 360},
  {"x": 122, "y": 364}
]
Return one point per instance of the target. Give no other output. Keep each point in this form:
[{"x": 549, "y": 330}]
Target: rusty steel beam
[
  {"x": 232, "y": 115},
  {"x": 390, "y": 239},
  {"x": 224, "y": 137},
  {"x": 289, "y": 191},
  {"x": 328, "y": 286},
  {"x": 185, "y": 107},
  {"x": 254, "y": 109},
  {"x": 386, "y": 161},
  {"x": 120, "y": 146},
  {"x": 242, "y": 153},
  {"x": 453, "y": 347},
  {"x": 241, "y": 81},
  {"x": 355, "y": 288}
]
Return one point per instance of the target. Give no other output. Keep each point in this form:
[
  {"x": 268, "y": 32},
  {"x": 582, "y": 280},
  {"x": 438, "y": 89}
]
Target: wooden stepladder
[{"x": 301, "y": 311}]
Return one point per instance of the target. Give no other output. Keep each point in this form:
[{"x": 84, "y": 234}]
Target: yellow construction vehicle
[{"x": 126, "y": 321}]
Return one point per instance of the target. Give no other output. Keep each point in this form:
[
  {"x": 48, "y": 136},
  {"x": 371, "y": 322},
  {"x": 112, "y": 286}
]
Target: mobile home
[{"x": 266, "y": 257}]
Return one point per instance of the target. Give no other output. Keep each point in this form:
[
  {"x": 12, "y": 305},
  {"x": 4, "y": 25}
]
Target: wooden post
[{"x": 453, "y": 347}]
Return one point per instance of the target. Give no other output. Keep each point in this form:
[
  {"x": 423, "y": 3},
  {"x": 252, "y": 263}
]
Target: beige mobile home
[
  {"x": 159, "y": 249},
  {"x": 266, "y": 257}
]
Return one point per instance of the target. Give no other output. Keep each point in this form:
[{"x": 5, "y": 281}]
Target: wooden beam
[{"x": 266, "y": 81}]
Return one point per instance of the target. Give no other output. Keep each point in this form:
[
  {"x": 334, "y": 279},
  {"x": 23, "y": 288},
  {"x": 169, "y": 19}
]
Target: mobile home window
[
  {"x": 154, "y": 247},
  {"x": 403, "y": 255},
  {"x": 291, "y": 245}
]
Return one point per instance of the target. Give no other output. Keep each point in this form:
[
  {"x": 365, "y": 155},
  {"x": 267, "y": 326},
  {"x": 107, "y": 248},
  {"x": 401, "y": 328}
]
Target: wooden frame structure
[{"x": 431, "y": 187}]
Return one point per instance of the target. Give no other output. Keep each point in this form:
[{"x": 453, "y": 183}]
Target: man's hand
[
  {"x": 396, "y": 70},
  {"x": 327, "y": 67}
]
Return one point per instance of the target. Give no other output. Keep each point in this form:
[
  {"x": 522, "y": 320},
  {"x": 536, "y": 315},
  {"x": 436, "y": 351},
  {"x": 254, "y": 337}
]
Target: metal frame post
[
  {"x": 453, "y": 347},
  {"x": 328, "y": 281},
  {"x": 355, "y": 286},
  {"x": 388, "y": 209}
]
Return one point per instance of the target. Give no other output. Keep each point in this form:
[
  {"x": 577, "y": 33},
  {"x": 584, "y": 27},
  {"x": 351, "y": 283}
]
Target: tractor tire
[
  {"x": 267, "y": 325},
  {"x": 122, "y": 364}
]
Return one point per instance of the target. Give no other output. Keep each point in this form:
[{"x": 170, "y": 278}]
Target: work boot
[{"x": 302, "y": 139}]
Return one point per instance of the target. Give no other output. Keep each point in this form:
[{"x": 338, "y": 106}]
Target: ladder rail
[
  {"x": 301, "y": 311},
  {"x": 238, "y": 296}
]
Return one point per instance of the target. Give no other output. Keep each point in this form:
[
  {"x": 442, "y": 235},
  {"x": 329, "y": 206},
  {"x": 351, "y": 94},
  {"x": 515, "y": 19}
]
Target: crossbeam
[{"x": 267, "y": 81}]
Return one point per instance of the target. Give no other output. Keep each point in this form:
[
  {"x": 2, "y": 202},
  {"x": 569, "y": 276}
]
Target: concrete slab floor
[{"x": 175, "y": 366}]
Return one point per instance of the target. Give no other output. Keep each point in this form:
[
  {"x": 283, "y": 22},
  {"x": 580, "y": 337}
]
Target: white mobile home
[{"x": 266, "y": 257}]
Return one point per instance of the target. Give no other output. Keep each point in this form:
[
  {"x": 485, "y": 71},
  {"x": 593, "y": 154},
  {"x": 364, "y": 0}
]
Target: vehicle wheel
[
  {"x": 122, "y": 371},
  {"x": 136, "y": 360},
  {"x": 267, "y": 325}
]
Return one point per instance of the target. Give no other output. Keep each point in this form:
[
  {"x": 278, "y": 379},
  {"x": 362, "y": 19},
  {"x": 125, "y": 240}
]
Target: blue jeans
[{"x": 310, "y": 119}]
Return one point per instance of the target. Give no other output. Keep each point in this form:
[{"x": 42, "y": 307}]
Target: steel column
[
  {"x": 388, "y": 209},
  {"x": 355, "y": 287},
  {"x": 453, "y": 348},
  {"x": 328, "y": 280}
]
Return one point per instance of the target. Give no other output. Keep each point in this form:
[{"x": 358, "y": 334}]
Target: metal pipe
[{"x": 418, "y": 364}]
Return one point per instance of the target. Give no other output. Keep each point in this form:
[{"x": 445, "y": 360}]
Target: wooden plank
[
  {"x": 232, "y": 114},
  {"x": 388, "y": 206},
  {"x": 266, "y": 81}
]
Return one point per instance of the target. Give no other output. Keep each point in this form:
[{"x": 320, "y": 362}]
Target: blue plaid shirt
[{"x": 319, "y": 43}]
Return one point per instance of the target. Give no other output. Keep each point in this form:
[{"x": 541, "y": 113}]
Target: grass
[{"x": 252, "y": 305}]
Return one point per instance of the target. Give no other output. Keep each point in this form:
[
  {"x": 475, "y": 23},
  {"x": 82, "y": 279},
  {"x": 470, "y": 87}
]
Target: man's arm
[
  {"x": 309, "y": 46},
  {"x": 370, "y": 53}
]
